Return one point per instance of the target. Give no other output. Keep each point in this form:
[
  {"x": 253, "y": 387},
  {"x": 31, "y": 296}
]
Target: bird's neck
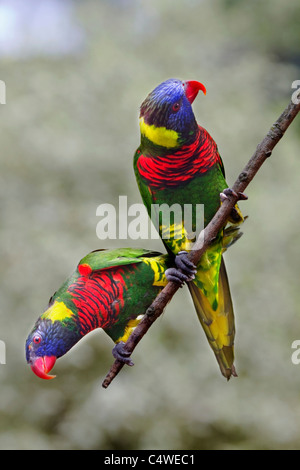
[
  {"x": 66, "y": 330},
  {"x": 161, "y": 140}
]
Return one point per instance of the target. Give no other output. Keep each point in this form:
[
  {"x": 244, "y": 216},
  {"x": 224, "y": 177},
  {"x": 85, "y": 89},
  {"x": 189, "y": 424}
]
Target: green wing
[{"x": 104, "y": 259}]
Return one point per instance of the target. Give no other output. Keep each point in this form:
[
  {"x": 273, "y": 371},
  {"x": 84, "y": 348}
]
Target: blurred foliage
[{"x": 69, "y": 131}]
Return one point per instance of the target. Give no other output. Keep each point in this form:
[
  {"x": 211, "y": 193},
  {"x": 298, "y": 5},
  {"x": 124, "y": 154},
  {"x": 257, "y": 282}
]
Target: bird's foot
[
  {"x": 230, "y": 192},
  {"x": 120, "y": 353},
  {"x": 185, "y": 270}
]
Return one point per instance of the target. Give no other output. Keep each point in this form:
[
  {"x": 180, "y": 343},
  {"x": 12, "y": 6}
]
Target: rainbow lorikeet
[
  {"x": 178, "y": 163},
  {"x": 110, "y": 289}
]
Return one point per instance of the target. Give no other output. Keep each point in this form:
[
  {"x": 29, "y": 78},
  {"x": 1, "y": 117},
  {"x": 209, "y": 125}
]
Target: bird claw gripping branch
[
  {"x": 184, "y": 271},
  {"x": 120, "y": 353}
]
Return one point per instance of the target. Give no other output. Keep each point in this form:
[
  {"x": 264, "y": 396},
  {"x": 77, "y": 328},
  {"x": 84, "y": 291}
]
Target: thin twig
[{"x": 263, "y": 151}]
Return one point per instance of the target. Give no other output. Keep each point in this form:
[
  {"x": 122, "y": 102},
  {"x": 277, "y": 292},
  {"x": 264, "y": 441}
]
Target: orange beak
[
  {"x": 192, "y": 88},
  {"x": 42, "y": 366}
]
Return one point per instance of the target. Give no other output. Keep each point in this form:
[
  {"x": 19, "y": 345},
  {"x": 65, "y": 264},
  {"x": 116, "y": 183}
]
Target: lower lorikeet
[
  {"x": 110, "y": 289},
  {"x": 178, "y": 164}
]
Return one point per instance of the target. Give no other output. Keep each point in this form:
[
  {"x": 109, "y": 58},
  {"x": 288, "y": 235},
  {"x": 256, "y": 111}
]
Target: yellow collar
[
  {"x": 58, "y": 311},
  {"x": 159, "y": 135}
]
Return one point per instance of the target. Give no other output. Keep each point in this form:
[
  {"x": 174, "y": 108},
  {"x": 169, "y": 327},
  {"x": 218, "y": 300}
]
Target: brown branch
[{"x": 263, "y": 151}]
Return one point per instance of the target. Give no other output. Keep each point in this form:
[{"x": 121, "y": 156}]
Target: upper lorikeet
[
  {"x": 178, "y": 162},
  {"x": 110, "y": 289}
]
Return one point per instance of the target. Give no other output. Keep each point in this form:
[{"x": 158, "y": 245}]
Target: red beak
[
  {"x": 192, "y": 88},
  {"x": 43, "y": 365}
]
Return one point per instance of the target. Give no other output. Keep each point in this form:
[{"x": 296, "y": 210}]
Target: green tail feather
[{"x": 217, "y": 320}]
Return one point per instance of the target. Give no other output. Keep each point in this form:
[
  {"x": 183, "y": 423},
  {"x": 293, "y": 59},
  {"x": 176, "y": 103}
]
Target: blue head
[
  {"x": 48, "y": 341},
  {"x": 166, "y": 115}
]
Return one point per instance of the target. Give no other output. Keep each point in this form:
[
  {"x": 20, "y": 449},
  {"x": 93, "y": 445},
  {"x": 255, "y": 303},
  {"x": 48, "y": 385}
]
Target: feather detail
[
  {"x": 218, "y": 322},
  {"x": 171, "y": 169}
]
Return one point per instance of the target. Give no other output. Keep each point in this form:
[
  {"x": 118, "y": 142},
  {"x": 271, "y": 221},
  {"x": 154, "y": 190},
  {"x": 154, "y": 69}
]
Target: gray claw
[
  {"x": 175, "y": 275},
  {"x": 223, "y": 197},
  {"x": 243, "y": 196},
  {"x": 121, "y": 354},
  {"x": 230, "y": 192},
  {"x": 227, "y": 192},
  {"x": 184, "y": 271},
  {"x": 183, "y": 262}
]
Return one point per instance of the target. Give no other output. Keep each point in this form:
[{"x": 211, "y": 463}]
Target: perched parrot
[
  {"x": 110, "y": 289},
  {"x": 178, "y": 162}
]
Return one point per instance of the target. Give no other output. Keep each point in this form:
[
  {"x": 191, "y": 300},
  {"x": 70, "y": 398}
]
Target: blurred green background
[{"x": 76, "y": 73}]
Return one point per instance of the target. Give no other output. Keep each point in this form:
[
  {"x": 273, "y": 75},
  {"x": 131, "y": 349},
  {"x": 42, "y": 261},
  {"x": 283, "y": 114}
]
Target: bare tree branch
[{"x": 263, "y": 151}]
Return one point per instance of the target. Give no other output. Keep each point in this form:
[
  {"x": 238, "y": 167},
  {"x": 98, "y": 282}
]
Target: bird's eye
[
  {"x": 37, "y": 339},
  {"x": 176, "y": 107}
]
